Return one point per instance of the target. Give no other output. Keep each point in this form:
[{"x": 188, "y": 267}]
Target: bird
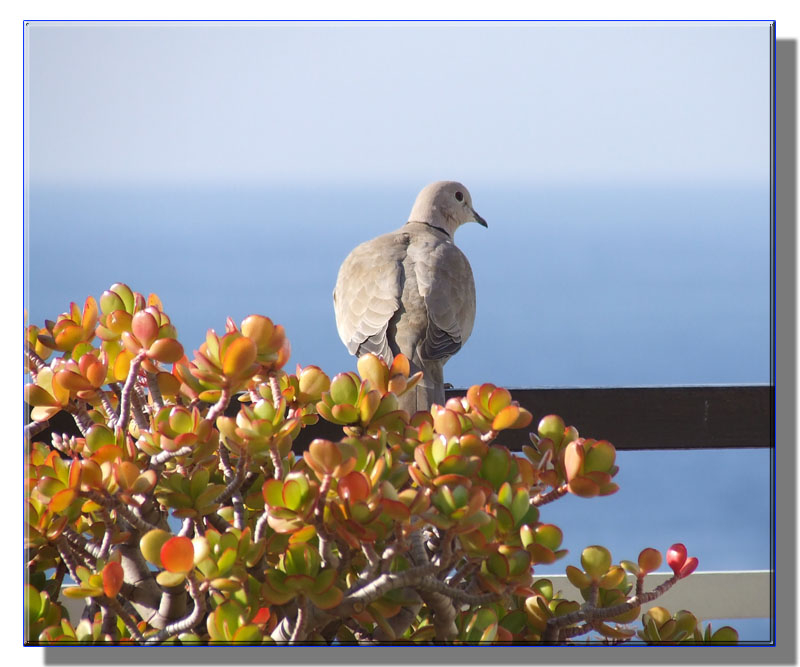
[{"x": 412, "y": 292}]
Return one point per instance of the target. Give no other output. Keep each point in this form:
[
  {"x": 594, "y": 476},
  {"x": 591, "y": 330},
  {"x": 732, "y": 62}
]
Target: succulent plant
[{"x": 184, "y": 521}]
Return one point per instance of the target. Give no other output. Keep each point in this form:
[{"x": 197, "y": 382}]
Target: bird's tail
[{"x": 428, "y": 391}]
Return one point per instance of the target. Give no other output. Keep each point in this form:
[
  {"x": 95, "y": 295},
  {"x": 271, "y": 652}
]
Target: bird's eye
[{"x": 460, "y": 196}]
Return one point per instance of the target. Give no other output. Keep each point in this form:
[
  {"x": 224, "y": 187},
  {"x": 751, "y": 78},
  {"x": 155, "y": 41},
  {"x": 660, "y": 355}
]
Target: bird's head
[{"x": 446, "y": 205}]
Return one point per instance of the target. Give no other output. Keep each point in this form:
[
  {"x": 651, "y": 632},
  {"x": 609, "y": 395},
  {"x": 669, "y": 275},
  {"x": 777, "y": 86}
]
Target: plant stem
[
  {"x": 542, "y": 499},
  {"x": 219, "y": 407},
  {"x": 127, "y": 389}
]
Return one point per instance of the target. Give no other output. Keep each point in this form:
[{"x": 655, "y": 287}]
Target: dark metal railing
[{"x": 632, "y": 418}]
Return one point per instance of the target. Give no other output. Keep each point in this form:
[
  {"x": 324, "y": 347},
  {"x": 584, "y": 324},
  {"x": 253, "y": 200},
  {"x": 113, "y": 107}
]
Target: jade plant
[{"x": 183, "y": 514}]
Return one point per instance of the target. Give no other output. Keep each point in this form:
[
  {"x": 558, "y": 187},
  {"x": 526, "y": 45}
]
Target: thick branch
[
  {"x": 111, "y": 413},
  {"x": 473, "y": 599},
  {"x": 127, "y": 389},
  {"x": 217, "y": 522},
  {"x": 591, "y": 613},
  {"x": 187, "y": 623},
  {"x": 298, "y": 634},
  {"x": 165, "y": 456},
  {"x": 277, "y": 461},
  {"x": 276, "y": 390},
  {"x": 235, "y": 479},
  {"x": 139, "y": 408},
  {"x": 121, "y": 509},
  {"x": 542, "y": 499},
  {"x": 37, "y": 364},
  {"x": 116, "y": 607},
  {"x": 32, "y": 429},
  {"x": 232, "y": 489},
  {"x": 444, "y": 613},
  {"x": 80, "y": 417},
  {"x": 261, "y": 527},
  {"x": 155, "y": 391},
  {"x": 219, "y": 407},
  {"x": 401, "y": 621}
]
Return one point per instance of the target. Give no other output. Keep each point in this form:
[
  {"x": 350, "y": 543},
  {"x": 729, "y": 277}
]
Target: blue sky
[
  {"x": 623, "y": 169},
  {"x": 343, "y": 103}
]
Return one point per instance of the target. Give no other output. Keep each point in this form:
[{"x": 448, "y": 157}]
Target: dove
[{"x": 412, "y": 292}]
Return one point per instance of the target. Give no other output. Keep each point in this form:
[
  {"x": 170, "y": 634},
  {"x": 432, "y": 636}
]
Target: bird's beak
[{"x": 478, "y": 218}]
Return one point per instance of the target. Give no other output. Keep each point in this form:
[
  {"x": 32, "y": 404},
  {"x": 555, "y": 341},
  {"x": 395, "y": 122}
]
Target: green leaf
[
  {"x": 273, "y": 493},
  {"x": 505, "y": 495},
  {"x": 33, "y": 603},
  {"x": 226, "y": 560},
  {"x": 248, "y": 634},
  {"x": 324, "y": 580},
  {"x": 725, "y": 635},
  {"x": 327, "y": 600}
]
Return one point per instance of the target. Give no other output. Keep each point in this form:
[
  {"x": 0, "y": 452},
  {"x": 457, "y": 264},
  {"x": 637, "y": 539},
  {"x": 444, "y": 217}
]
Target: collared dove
[{"x": 411, "y": 291}]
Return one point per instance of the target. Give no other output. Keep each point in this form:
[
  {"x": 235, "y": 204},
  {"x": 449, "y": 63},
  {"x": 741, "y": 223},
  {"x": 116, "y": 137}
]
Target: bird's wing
[
  {"x": 445, "y": 281},
  {"x": 367, "y": 294}
]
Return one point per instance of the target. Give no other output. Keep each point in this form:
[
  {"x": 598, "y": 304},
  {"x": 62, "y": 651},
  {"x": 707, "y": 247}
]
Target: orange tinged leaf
[
  {"x": 499, "y": 399},
  {"x": 106, "y": 453},
  {"x": 400, "y": 366},
  {"x": 122, "y": 365},
  {"x": 96, "y": 373},
  {"x": 62, "y": 500},
  {"x": 506, "y": 418},
  {"x": 126, "y": 472},
  {"x": 60, "y": 392},
  {"x": 89, "y": 319},
  {"x": 447, "y": 423},
  {"x": 325, "y": 454},
  {"x": 613, "y": 578},
  {"x": 259, "y": 329},
  {"x": 395, "y": 509},
  {"x": 372, "y": 368},
  {"x": 144, "y": 327},
  {"x": 67, "y": 335},
  {"x": 166, "y": 350},
  {"x": 154, "y": 300},
  {"x": 72, "y": 381},
  {"x": 43, "y": 413},
  {"x": 397, "y": 385},
  {"x": 355, "y": 486},
  {"x": 524, "y": 419},
  {"x": 112, "y": 579},
  {"x": 168, "y": 384},
  {"x": 36, "y": 396},
  {"x": 608, "y": 489},
  {"x": 177, "y": 554},
  {"x": 473, "y": 396},
  {"x": 74, "y": 474},
  {"x": 583, "y": 487},
  {"x": 573, "y": 460},
  {"x": 578, "y": 578},
  {"x": 599, "y": 478},
  {"x": 239, "y": 357},
  {"x": 649, "y": 560},
  {"x": 91, "y": 474},
  {"x": 119, "y": 321}
]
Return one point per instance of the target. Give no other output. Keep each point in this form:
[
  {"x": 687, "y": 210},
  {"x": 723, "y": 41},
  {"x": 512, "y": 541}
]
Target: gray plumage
[{"x": 411, "y": 291}]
